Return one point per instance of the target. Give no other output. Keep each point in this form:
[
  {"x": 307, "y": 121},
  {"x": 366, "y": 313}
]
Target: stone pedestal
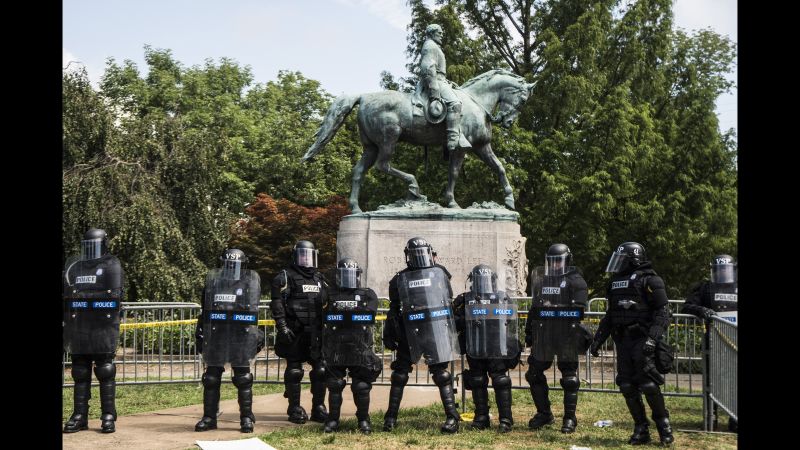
[{"x": 462, "y": 238}]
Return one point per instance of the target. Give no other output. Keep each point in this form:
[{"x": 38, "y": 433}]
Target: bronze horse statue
[{"x": 384, "y": 118}]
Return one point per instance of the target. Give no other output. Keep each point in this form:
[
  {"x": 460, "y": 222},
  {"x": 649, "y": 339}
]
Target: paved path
[{"x": 174, "y": 428}]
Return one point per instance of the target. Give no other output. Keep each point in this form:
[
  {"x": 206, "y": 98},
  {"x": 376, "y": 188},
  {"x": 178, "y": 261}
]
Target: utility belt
[{"x": 632, "y": 330}]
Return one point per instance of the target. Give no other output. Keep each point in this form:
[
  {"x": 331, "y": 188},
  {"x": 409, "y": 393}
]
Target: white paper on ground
[{"x": 241, "y": 444}]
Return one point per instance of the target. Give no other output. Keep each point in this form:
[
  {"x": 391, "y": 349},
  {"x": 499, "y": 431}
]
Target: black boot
[
  {"x": 335, "y": 387},
  {"x": 297, "y": 414},
  {"x": 570, "y": 420},
  {"x": 361, "y": 391},
  {"x": 544, "y": 416},
  {"x": 318, "y": 411},
  {"x": 244, "y": 385},
  {"x": 399, "y": 380},
  {"x": 660, "y": 417},
  {"x": 211, "y": 384},
  {"x": 80, "y": 413},
  {"x": 480, "y": 395},
  {"x": 641, "y": 432},
  {"x": 105, "y": 374},
  {"x": 442, "y": 378},
  {"x": 502, "y": 394}
]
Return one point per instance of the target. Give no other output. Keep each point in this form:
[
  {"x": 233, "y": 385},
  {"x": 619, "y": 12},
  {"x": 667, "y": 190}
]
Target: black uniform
[
  {"x": 638, "y": 310},
  {"x": 349, "y": 316},
  {"x": 706, "y": 299},
  {"x": 93, "y": 293},
  {"x": 298, "y": 294},
  {"x": 227, "y": 332},
  {"x": 394, "y": 338},
  {"x": 476, "y": 378},
  {"x": 570, "y": 291}
]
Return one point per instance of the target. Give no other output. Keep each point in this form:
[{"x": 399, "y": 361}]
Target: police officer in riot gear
[
  {"x": 420, "y": 322},
  {"x": 227, "y": 332},
  {"x": 347, "y": 343},
  {"x": 298, "y": 293},
  {"x": 717, "y": 297},
  {"x": 637, "y": 317},
  {"x": 487, "y": 323},
  {"x": 93, "y": 292},
  {"x": 557, "y": 285}
]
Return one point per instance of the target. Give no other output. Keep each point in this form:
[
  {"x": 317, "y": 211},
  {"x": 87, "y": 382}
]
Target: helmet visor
[
  {"x": 232, "y": 269},
  {"x": 617, "y": 262},
  {"x": 305, "y": 257},
  {"x": 348, "y": 277},
  {"x": 555, "y": 264},
  {"x": 420, "y": 257},
  {"x": 91, "y": 249},
  {"x": 723, "y": 273},
  {"x": 482, "y": 283}
]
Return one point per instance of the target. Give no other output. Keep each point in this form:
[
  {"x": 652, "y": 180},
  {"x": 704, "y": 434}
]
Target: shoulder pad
[{"x": 654, "y": 282}]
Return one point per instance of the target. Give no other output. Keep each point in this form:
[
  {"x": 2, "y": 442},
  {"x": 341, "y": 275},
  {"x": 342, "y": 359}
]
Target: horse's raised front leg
[
  {"x": 456, "y": 160},
  {"x": 383, "y": 165},
  {"x": 486, "y": 154},
  {"x": 359, "y": 170}
]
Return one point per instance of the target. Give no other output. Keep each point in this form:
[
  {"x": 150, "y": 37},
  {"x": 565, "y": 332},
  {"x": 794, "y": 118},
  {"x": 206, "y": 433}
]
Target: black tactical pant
[
  {"x": 303, "y": 348},
  {"x": 242, "y": 379},
  {"x": 361, "y": 385},
  {"x": 476, "y": 379},
  {"x": 105, "y": 371},
  {"x": 540, "y": 390}
]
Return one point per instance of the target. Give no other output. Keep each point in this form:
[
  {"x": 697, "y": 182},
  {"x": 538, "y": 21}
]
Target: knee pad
[
  {"x": 105, "y": 371},
  {"x": 211, "y": 380},
  {"x": 317, "y": 374},
  {"x": 478, "y": 380},
  {"x": 649, "y": 388},
  {"x": 571, "y": 383},
  {"x": 243, "y": 380},
  {"x": 360, "y": 386},
  {"x": 442, "y": 377},
  {"x": 627, "y": 388},
  {"x": 535, "y": 377},
  {"x": 399, "y": 378},
  {"x": 335, "y": 384},
  {"x": 501, "y": 381},
  {"x": 81, "y": 373},
  {"x": 293, "y": 375}
]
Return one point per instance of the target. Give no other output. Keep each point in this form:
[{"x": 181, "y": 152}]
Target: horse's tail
[{"x": 334, "y": 119}]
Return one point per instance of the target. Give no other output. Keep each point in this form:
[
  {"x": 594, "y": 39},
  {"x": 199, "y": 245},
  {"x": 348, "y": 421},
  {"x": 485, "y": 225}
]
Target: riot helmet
[
  {"x": 556, "y": 260},
  {"x": 304, "y": 254},
  {"x": 723, "y": 269},
  {"x": 348, "y": 274},
  {"x": 484, "y": 280},
  {"x": 419, "y": 253},
  {"x": 628, "y": 256},
  {"x": 234, "y": 261},
  {"x": 94, "y": 244}
]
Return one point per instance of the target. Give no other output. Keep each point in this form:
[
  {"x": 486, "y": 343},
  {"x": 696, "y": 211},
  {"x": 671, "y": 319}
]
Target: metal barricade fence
[
  {"x": 157, "y": 345},
  {"x": 721, "y": 370}
]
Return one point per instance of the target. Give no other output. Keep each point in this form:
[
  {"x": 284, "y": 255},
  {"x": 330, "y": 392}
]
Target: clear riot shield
[
  {"x": 554, "y": 319},
  {"x": 491, "y": 325},
  {"x": 428, "y": 315},
  {"x": 347, "y": 333},
  {"x": 230, "y": 319},
  {"x": 92, "y": 301}
]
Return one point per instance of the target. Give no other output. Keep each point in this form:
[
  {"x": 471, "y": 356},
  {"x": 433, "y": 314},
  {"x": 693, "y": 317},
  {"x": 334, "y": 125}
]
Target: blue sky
[{"x": 344, "y": 44}]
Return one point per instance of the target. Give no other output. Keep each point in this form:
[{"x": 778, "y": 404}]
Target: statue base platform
[{"x": 463, "y": 238}]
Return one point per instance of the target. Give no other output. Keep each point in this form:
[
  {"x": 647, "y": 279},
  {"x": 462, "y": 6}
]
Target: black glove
[
  {"x": 528, "y": 340},
  {"x": 390, "y": 333},
  {"x": 708, "y": 313},
  {"x": 649, "y": 347},
  {"x": 594, "y": 349},
  {"x": 651, "y": 371},
  {"x": 284, "y": 330}
]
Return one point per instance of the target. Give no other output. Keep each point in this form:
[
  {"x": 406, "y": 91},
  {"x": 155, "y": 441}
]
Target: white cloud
[
  {"x": 720, "y": 15},
  {"x": 394, "y": 12},
  {"x": 69, "y": 59}
]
